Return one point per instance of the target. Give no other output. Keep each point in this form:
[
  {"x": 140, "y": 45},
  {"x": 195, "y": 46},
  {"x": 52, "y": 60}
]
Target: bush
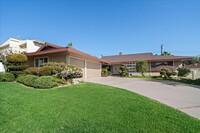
[
  {"x": 71, "y": 71},
  {"x": 123, "y": 70},
  {"x": 44, "y": 82},
  {"x": 105, "y": 72},
  {"x": 142, "y": 67},
  {"x": 17, "y": 73},
  {"x": 27, "y": 80},
  {"x": 56, "y": 67},
  {"x": 6, "y": 77},
  {"x": 183, "y": 72},
  {"x": 37, "y": 82},
  {"x": 167, "y": 73},
  {"x": 65, "y": 70},
  {"x": 17, "y": 68},
  {"x": 16, "y": 58},
  {"x": 32, "y": 71},
  {"x": 45, "y": 71},
  {"x": 16, "y": 63}
]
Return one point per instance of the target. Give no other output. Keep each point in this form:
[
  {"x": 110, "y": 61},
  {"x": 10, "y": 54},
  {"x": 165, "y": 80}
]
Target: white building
[{"x": 18, "y": 46}]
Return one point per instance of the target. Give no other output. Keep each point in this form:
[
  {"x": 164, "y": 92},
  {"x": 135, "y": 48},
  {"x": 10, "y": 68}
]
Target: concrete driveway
[{"x": 183, "y": 97}]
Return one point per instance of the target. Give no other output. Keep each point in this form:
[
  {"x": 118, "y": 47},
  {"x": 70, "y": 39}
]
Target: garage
[
  {"x": 90, "y": 69},
  {"x": 93, "y": 69},
  {"x": 79, "y": 63}
]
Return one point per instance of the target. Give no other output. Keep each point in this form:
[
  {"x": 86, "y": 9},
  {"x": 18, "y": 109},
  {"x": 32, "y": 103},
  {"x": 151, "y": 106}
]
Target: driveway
[{"x": 185, "y": 98}]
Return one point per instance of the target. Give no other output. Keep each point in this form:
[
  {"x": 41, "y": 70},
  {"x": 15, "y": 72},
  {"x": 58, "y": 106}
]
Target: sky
[{"x": 106, "y": 27}]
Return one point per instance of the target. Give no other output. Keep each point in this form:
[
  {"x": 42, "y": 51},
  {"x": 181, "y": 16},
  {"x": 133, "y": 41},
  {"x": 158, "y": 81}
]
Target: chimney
[{"x": 120, "y": 53}]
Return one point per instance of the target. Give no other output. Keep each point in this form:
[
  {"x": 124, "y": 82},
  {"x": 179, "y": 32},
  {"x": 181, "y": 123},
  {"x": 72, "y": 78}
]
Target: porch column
[
  {"x": 85, "y": 69},
  {"x": 150, "y": 68},
  {"x": 173, "y": 65}
]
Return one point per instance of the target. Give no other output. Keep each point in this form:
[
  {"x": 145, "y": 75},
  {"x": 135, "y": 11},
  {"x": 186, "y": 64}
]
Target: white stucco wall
[
  {"x": 15, "y": 45},
  {"x": 32, "y": 46},
  {"x": 2, "y": 69}
]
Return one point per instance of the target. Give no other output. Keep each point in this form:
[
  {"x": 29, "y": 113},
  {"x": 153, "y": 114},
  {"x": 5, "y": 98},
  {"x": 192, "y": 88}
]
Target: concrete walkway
[{"x": 183, "y": 97}]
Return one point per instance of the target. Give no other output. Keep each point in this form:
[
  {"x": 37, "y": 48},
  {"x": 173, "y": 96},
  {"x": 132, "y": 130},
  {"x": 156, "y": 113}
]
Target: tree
[
  {"x": 195, "y": 60},
  {"x": 183, "y": 72},
  {"x": 167, "y": 72},
  {"x": 142, "y": 67},
  {"x": 165, "y": 53},
  {"x": 123, "y": 70}
]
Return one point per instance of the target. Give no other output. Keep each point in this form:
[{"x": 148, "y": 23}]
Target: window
[
  {"x": 131, "y": 67},
  {"x": 40, "y": 61}
]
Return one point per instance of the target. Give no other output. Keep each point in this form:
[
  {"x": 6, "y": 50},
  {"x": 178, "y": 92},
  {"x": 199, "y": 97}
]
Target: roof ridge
[{"x": 129, "y": 54}]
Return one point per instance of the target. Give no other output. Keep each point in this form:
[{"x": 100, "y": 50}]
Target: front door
[{"x": 116, "y": 69}]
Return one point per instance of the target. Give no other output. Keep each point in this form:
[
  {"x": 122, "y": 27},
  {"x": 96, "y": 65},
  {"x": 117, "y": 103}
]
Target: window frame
[{"x": 39, "y": 65}]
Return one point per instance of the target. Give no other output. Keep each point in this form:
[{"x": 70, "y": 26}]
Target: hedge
[
  {"x": 16, "y": 58},
  {"x": 45, "y": 82},
  {"x": 12, "y": 67},
  {"x": 6, "y": 77},
  {"x": 32, "y": 71},
  {"x": 37, "y": 82},
  {"x": 27, "y": 80}
]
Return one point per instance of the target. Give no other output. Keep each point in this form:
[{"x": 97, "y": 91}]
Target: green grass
[
  {"x": 186, "y": 81},
  {"x": 86, "y": 107}
]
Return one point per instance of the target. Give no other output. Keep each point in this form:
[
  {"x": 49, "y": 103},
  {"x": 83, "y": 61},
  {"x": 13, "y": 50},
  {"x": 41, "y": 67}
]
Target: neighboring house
[
  {"x": 18, "y": 46},
  {"x": 195, "y": 71},
  {"x": 90, "y": 65},
  {"x": 154, "y": 61}
]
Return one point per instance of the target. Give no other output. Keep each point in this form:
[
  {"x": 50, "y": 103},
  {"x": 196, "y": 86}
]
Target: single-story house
[
  {"x": 90, "y": 65},
  {"x": 154, "y": 61}
]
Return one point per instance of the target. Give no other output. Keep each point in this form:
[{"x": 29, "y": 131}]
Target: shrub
[
  {"x": 6, "y": 77},
  {"x": 27, "y": 80},
  {"x": 17, "y": 68},
  {"x": 167, "y": 73},
  {"x": 142, "y": 67},
  {"x": 44, "y": 82},
  {"x": 105, "y": 72},
  {"x": 197, "y": 81},
  {"x": 32, "y": 71},
  {"x": 64, "y": 70},
  {"x": 16, "y": 58},
  {"x": 123, "y": 70},
  {"x": 37, "y": 82},
  {"x": 45, "y": 71},
  {"x": 56, "y": 67},
  {"x": 17, "y": 73},
  {"x": 183, "y": 72},
  {"x": 16, "y": 63},
  {"x": 60, "y": 81},
  {"x": 71, "y": 71}
]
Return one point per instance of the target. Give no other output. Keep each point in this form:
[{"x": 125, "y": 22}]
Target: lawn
[
  {"x": 186, "y": 81},
  {"x": 86, "y": 107}
]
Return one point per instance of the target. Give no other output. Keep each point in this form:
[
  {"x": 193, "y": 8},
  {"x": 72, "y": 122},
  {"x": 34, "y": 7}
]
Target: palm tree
[{"x": 165, "y": 53}]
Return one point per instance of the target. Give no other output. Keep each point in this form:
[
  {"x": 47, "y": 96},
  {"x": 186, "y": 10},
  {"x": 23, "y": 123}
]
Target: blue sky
[{"x": 106, "y": 27}]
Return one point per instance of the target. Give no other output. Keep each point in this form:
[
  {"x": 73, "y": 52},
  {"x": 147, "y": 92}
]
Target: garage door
[
  {"x": 78, "y": 63},
  {"x": 93, "y": 70}
]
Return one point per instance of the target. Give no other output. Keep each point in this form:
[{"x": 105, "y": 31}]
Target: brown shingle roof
[
  {"x": 114, "y": 59},
  {"x": 193, "y": 66},
  {"x": 62, "y": 49}
]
